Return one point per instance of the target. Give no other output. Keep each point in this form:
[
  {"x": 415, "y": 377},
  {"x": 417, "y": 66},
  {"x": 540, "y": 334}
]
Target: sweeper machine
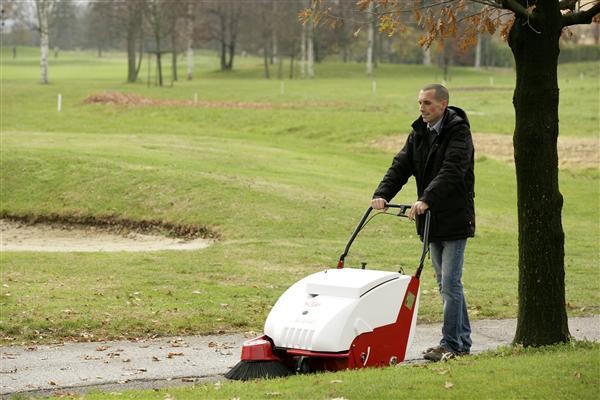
[{"x": 339, "y": 318}]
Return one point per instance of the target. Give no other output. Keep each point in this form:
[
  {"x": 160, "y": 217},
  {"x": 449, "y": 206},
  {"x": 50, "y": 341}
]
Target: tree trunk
[
  {"x": 139, "y": 65},
  {"x": 542, "y": 317},
  {"x": 303, "y": 52},
  {"x": 174, "y": 57},
  {"x": 231, "y": 48},
  {"x": 223, "y": 41},
  {"x": 131, "y": 54},
  {"x": 266, "y": 62},
  {"x": 478, "y": 51},
  {"x": 426, "y": 56},
  {"x": 174, "y": 66},
  {"x": 159, "y": 67},
  {"x": 310, "y": 52},
  {"x": 43, "y": 11},
  {"x": 190, "y": 41},
  {"x": 370, "y": 39},
  {"x": 292, "y": 53}
]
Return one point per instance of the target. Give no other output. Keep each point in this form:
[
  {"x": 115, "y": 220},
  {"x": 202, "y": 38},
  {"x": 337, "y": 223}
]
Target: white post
[{"x": 59, "y": 102}]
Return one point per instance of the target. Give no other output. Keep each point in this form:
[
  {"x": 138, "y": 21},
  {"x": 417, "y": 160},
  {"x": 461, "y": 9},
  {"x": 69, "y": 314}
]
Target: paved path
[{"x": 79, "y": 367}]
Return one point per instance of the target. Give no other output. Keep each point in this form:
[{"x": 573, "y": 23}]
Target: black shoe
[{"x": 439, "y": 353}]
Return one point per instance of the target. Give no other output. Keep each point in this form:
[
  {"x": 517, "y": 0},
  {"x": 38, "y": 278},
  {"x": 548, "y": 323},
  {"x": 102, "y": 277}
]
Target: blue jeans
[{"x": 447, "y": 258}]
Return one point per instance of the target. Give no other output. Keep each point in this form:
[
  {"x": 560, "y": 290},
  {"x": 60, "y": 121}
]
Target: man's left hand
[{"x": 417, "y": 209}]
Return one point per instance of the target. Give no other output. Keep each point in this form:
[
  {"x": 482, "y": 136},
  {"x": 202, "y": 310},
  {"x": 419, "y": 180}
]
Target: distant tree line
[{"x": 267, "y": 28}]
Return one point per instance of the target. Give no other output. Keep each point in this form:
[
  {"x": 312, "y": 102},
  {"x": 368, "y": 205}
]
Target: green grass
[
  {"x": 283, "y": 187},
  {"x": 561, "y": 372}
]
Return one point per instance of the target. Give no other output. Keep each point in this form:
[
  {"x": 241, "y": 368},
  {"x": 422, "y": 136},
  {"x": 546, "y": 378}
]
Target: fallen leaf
[
  {"x": 154, "y": 358},
  {"x": 102, "y": 348},
  {"x": 273, "y": 394},
  {"x": 171, "y": 355},
  {"x": 142, "y": 369},
  {"x": 448, "y": 385},
  {"x": 126, "y": 360},
  {"x": 577, "y": 375},
  {"x": 188, "y": 379},
  {"x": 52, "y": 383}
]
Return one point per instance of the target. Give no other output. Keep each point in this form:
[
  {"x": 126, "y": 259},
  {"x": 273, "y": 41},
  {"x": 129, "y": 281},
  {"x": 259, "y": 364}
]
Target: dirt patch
[
  {"x": 572, "y": 152},
  {"x": 98, "y": 234},
  {"x": 134, "y": 100}
]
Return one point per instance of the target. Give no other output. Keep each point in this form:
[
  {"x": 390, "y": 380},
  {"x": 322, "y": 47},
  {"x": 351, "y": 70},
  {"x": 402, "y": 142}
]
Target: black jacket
[{"x": 444, "y": 175}]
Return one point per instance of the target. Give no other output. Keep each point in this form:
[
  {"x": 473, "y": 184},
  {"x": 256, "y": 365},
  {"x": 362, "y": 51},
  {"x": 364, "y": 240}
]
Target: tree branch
[
  {"x": 582, "y": 17},
  {"x": 514, "y": 6}
]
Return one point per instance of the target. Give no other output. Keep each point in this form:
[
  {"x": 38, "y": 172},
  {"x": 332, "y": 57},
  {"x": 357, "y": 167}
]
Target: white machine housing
[{"x": 326, "y": 311}]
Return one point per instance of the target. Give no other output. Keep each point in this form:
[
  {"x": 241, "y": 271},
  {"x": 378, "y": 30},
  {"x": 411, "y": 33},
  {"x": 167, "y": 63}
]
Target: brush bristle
[{"x": 248, "y": 370}]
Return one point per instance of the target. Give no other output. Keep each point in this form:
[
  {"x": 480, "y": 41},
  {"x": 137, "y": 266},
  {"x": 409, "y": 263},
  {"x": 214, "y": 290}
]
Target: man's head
[{"x": 433, "y": 100}]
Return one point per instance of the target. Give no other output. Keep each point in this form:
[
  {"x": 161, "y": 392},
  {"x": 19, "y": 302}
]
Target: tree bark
[
  {"x": 190, "y": 41},
  {"x": 133, "y": 27},
  {"x": 478, "y": 51},
  {"x": 43, "y": 9},
  {"x": 303, "y": 52},
  {"x": 534, "y": 41},
  {"x": 370, "y": 39},
  {"x": 174, "y": 57},
  {"x": 310, "y": 51}
]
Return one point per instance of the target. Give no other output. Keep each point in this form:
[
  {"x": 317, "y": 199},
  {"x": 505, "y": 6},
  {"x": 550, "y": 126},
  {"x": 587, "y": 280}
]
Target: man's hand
[
  {"x": 417, "y": 209},
  {"x": 379, "y": 204}
]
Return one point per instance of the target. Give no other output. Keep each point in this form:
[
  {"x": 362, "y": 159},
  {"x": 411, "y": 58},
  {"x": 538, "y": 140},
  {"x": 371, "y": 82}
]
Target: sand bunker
[
  {"x": 16, "y": 236},
  {"x": 572, "y": 152}
]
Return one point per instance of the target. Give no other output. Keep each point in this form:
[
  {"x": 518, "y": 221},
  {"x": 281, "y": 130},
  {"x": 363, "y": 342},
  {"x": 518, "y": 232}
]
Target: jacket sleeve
[
  {"x": 451, "y": 176},
  {"x": 398, "y": 173}
]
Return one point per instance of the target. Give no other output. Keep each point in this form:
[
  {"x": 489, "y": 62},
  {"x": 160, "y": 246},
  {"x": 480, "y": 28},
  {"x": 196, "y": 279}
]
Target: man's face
[{"x": 431, "y": 109}]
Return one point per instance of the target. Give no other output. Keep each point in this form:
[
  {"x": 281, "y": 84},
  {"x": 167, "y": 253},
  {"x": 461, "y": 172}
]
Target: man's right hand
[{"x": 379, "y": 204}]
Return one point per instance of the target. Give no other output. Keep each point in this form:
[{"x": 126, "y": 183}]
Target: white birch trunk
[
  {"x": 426, "y": 56},
  {"x": 190, "y": 41},
  {"x": 478, "y": 52},
  {"x": 43, "y": 9},
  {"x": 370, "y": 40}
]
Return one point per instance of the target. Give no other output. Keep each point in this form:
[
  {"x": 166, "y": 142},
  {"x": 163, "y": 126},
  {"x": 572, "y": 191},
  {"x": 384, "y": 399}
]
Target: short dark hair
[{"x": 441, "y": 93}]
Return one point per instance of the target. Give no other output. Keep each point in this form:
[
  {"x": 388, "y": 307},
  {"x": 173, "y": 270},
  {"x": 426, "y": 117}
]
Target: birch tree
[
  {"x": 43, "y": 10},
  {"x": 191, "y": 7},
  {"x": 370, "y": 37}
]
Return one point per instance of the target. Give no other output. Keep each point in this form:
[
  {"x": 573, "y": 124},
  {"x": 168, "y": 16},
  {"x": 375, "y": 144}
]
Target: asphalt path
[{"x": 176, "y": 361}]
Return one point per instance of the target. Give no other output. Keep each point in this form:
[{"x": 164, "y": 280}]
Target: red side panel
[{"x": 388, "y": 343}]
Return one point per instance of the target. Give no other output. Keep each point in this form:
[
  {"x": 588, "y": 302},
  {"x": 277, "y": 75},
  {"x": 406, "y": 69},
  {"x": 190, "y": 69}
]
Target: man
[{"x": 439, "y": 154}]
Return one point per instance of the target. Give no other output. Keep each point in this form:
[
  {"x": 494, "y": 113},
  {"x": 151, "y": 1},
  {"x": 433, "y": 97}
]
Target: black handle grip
[{"x": 401, "y": 213}]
